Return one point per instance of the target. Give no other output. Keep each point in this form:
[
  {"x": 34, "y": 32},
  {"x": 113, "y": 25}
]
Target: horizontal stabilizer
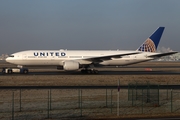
[{"x": 163, "y": 54}]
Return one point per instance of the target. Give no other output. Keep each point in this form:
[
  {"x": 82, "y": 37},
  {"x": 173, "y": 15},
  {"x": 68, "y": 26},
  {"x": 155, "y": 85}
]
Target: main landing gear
[{"x": 89, "y": 71}]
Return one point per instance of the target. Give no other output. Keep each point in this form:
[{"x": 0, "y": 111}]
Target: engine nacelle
[{"x": 71, "y": 65}]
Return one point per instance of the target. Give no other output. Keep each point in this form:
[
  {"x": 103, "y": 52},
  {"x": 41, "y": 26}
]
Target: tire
[
  {"x": 89, "y": 71},
  {"x": 92, "y": 72},
  {"x": 83, "y": 71},
  {"x": 25, "y": 71},
  {"x": 3, "y": 71},
  {"x": 9, "y": 71},
  {"x": 96, "y": 71}
]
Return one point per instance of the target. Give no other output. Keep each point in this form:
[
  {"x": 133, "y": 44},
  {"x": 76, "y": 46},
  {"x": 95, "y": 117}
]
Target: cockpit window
[{"x": 11, "y": 56}]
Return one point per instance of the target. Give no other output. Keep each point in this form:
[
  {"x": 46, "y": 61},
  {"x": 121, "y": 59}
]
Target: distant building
[
  {"x": 175, "y": 57},
  {"x": 3, "y": 56}
]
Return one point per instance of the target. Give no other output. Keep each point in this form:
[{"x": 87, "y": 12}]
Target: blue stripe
[{"x": 156, "y": 36}]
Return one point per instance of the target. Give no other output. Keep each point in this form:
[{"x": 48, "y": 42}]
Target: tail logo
[{"x": 148, "y": 46}]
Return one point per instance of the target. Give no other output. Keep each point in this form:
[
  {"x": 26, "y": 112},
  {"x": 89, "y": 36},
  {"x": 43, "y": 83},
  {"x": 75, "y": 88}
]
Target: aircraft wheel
[
  {"x": 9, "y": 71},
  {"x": 25, "y": 71},
  {"x": 96, "y": 71},
  {"x": 89, "y": 71},
  {"x": 83, "y": 71},
  {"x": 3, "y": 71}
]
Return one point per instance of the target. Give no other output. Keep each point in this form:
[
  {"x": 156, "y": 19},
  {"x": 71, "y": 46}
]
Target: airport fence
[{"x": 27, "y": 104}]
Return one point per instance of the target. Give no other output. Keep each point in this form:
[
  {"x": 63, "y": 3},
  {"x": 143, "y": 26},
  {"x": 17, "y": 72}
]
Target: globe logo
[{"x": 148, "y": 46}]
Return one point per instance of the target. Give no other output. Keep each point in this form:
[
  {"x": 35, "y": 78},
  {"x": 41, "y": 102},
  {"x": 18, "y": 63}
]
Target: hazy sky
[{"x": 86, "y": 24}]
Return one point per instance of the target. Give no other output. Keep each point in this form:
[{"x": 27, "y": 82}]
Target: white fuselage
[{"x": 57, "y": 57}]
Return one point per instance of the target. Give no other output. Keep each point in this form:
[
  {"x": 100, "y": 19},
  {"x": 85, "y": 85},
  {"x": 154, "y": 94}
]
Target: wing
[
  {"x": 163, "y": 54},
  {"x": 108, "y": 57}
]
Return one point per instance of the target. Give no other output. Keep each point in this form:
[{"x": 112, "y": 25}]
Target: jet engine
[{"x": 71, "y": 65}]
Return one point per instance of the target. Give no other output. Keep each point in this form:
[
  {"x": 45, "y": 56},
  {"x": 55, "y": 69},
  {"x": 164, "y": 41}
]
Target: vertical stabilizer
[{"x": 151, "y": 44}]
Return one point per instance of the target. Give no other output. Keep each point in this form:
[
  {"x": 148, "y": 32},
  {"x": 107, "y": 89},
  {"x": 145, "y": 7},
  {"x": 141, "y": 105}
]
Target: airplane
[{"x": 85, "y": 60}]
